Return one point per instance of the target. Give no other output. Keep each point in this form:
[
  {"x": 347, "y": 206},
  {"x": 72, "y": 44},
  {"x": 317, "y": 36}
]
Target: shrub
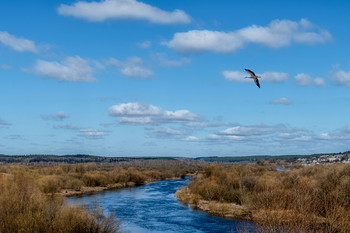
[
  {"x": 50, "y": 184},
  {"x": 23, "y": 208}
]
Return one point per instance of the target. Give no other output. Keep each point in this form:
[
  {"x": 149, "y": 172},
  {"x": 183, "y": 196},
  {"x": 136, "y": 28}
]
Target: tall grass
[
  {"x": 58, "y": 178},
  {"x": 29, "y": 200},
  {"x": 24, "y": 208},
  {"x": 309, "y": 199}
]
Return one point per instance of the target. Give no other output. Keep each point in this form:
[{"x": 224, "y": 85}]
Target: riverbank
[
  {"x": 92, "y": 190},
  {"x": 215, "y": 208},
  {"x": 308, "y": 199}
]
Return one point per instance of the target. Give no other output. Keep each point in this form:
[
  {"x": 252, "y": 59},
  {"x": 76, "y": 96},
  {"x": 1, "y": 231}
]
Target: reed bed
[{"x": 307, "y": 199}]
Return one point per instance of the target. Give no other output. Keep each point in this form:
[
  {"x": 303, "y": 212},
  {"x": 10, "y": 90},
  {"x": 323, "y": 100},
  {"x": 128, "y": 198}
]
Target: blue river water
[{"x": 152, "y": 208}]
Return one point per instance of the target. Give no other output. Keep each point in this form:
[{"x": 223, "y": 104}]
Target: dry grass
[
  {"x": 24, "y": 208},
  {"x": 309, "y": 199},
  {"x": 29, "y": 200},
  {"x": 75, "y": 178}
]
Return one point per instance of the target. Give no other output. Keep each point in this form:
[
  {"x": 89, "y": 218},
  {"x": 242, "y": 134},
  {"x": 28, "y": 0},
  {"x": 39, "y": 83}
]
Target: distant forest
[
  {"x": 82, "y": 158},
  {"x": 79, "y": 158}
]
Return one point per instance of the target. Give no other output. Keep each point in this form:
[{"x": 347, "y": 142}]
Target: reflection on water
[{"x": 153, "y": 208}]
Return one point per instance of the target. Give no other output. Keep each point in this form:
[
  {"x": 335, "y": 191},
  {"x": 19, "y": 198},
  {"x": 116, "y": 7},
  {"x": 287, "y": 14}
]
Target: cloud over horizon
[
  {"x": 261, "y": 133},
  {"x": 122, "y": 10},
  {"x": 84, "y": 132},
  {"x": 141, "y": 113},
  {"x": 278, "y": 34}
]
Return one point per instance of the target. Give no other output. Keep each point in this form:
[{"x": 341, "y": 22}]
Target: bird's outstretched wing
[
  {"x": 250, "y": 72},
  {"x": 257, "y": 82}
]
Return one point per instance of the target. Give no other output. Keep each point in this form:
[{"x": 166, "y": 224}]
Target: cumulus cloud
[
  {"x": 18, "y": 44},
  {"x": 122, "y": 10},
  {"x": 71, "y": 69},
  {"x": 319, "y": 82},
  {"x": 275, "y": 77},
  {"x": 279, "y": 33},
  {"x": 132, "y": 67},
  {"x": 341, "y": 77},
  {"x": 84, "y": 132},
  {"x": 302, "y": 79},
  {"x": 141, "y": 113},
  {"x": 239, "y": 76},
  {"x": 282, "y": 101},
  {"x": 260, "y": 134},
  {"x": 59, "y": 116},
  {"x": 236, "y": 76}
]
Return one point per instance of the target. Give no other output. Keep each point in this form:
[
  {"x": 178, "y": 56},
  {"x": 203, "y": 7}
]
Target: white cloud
[
  {"x": 145, "y": 44},
  {"x": 251, "y": 130},
  {"x": 239, "y": 76},
  {"x": 84, "y": 132},
  {"x": 257, "y": 134},
  {"x": 71, "y": 69},
  {"x": 319, "y": 82},
  {"x": 141, "y": 113},
  {"x": 302, "y": 79},
  {"x": 132, "y": 67},
  {"x": 191, "y": 139},
  {"x": 59, "y": 116},
  {"x": 282, "y": 101},
  {"x": 122, "y": 10},
  {"x": 92, "y": 133},
  {"x": 18, "y": 44},
  {"x": 236, "y": 76},
  {"x": 337, "y": 135},
  {"x": 134, "y": 110},
  {"x": 341, "y": 77},
  {"x": 275, "y": 77},
  {"x": 279, "y": 33}
]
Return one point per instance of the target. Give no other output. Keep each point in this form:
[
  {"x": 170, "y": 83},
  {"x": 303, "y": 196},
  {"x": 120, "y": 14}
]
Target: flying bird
[{"x": 253, "y": 76}]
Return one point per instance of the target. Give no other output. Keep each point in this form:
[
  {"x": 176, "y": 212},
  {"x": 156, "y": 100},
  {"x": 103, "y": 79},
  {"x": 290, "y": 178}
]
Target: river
[{"x": 152, "y": 208}]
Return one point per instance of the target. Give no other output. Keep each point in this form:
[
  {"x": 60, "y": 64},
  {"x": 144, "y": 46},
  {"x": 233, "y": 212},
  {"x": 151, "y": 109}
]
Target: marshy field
[{"x": 296, "y": 199}]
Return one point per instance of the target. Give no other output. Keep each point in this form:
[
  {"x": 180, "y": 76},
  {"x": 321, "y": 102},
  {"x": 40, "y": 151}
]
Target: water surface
[{"x": 152, "y": 208}]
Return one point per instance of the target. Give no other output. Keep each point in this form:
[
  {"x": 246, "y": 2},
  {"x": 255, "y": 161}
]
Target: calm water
[{"x": 153, "y": 208}]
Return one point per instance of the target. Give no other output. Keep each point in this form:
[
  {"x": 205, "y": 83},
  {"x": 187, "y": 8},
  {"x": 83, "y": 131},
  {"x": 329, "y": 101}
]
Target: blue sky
[{"x": 166, "y": 78}]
